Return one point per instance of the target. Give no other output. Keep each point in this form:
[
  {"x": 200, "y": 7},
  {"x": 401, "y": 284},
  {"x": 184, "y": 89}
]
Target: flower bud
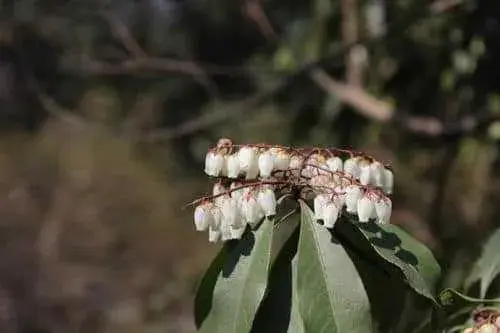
[
  {"x": 267, "y": 201},
  {"x": 383, "y": 208},
  {"x": 266, "y": 164},
  {"x": 232, "y": 166},
  {"x": 487, "y": 328},
  {"x": 236, "y": 194},
  {"x": 335, "y": 163},
  {"x": 319, "y": 204},
  {"x": 378, "y": 174},
  {"x": 388, "y": 181},
  {"x": 203, "y": 217},
  {"x": 296, "y": 163},
  {"x": 365, "y": 208},
  {"x": 351, "y": 167},
  {"x": 352, "y": 195},
  {"x": 251, "y": 210},
  {"x": 316, "y": 165},
  {"x": 213, "y": 235},
  {"x": 330, "y": 214}
]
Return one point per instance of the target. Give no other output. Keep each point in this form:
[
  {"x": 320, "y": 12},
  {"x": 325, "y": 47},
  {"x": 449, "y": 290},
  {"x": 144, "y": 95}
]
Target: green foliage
[{"x": 320, "y": 280}]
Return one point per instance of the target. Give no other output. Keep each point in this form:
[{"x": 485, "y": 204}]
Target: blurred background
[{"x": 107, "y": 108}]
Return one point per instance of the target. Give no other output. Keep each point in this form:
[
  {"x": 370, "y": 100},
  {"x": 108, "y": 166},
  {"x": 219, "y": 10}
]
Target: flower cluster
[{"x": 251, "y": 176}]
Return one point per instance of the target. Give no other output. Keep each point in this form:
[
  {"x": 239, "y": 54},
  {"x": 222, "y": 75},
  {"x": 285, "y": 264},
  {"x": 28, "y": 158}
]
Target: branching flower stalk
[{"x": 249, "y": 177}]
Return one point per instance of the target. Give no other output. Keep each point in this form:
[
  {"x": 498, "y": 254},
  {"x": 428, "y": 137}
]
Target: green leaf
[
  {"x": 416, "y": 262},
  {"x": 203, "y": 298},
  {"x": 241, "y": 283},
  {"x": 278, "y": 312},
  {"x": 487, "y": 267},
  {"x": 331, "y": 295}
]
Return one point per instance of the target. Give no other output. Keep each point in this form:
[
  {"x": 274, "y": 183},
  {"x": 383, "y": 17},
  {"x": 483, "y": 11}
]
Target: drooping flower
[
  {"x": 365, "y": 174},
  {"x": 281, "y": 159},
  {"x": 214, "y": 235},
  {"x": 351, "y": 167},
  {"x": 251, "y": 210},
  {"x": 267, "y": 201},
  {"x": 330, "y": 214},
  {"x": 248, "y": 159},
  {"x": 365, "y": 208},
  {"x": 319, "y": 205},
  {"x": 352, "y": 196},
  {"x": 214, "y": 164},
  {"x": 377, "y": 173},
  {"x": 203, "y": 217},
  {"x": 388, "y": 181},
  {"x": 266, "y": 164},
  {"x": 232, "y": 166},
  {"x": 383, "y": 208}
]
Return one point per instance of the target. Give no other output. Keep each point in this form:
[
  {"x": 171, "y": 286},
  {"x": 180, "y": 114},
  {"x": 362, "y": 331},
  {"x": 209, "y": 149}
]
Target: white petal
[
  {"x": 335, "y": 163},
  {"x": 365, "y": 209},
  {"x": 365, "y": 174},
  {"x": 331, "y": 214},
  {"x": 267, "y": 201},
  {"x": 383, "y": 208},
  {"x": 352, "y": 195},
  {"x": 253, "y": 170},
  {"x": 266, "y": 164},
  {"x": 230, "y": 213},
  {"x": 233, "y": 166},
  {"x": 388, "y": 181},
  {"x": 319, "y": 205}
]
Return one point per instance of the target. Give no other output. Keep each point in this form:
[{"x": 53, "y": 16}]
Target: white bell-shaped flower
[
  {"x": 236, "y": 194},
  {"x": 335, "y": 164},
  {"x": 267, "y": 201},
  {"x": 203, "y": 217},
  {"x": 247, "y": 156},
  {"x": 210, "y": 163},
  {"x": 352, "y": 195},
  {"x": 365, "y": 174},
  {"x": 339, "y": 197},
  {"x": 377, "y": 174},
  {"x": 266, "y": 164},
  {"x": 388, "y": 181},
  {"x": 232, "y": 166},
  {"x": 281, "y": 159},
  {"x": 365, "y": 208},
  {"x": 330, "y": 214},
  {"x": 383, "y": 208},
  {"x": 219, "y": 165},
  {"x": 230, "y": 213},
  {"x": 251, "y": 210},
  {"x": 351, "y": 167},
  {"x": 319, "y": 204},
  {"x": 214, "y": 235},
  {"x": 226, "y": 231}
]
